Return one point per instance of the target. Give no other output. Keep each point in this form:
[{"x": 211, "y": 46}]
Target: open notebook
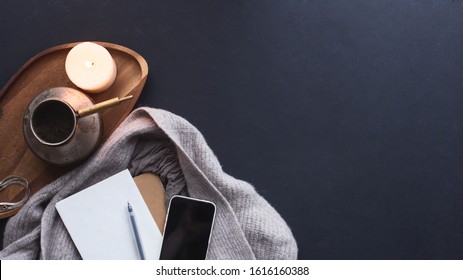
[{"x": 99, "y": 224}]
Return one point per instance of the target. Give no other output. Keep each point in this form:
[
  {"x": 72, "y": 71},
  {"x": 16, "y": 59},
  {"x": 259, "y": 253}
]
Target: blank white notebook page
[{"x": 99, "y": 224}]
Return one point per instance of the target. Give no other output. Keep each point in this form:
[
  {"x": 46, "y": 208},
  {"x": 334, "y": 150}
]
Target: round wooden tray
[{"x": 43, "y": 71}]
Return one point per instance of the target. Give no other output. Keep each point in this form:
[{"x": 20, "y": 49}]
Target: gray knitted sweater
[{"x": 152, "y": 140}]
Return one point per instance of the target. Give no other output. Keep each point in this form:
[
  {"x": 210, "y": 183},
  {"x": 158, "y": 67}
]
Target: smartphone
[{"x": 188, "y": 228}]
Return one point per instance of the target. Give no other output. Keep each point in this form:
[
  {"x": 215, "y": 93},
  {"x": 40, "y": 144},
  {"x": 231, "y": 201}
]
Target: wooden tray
[{"x": 43, "y": 71}]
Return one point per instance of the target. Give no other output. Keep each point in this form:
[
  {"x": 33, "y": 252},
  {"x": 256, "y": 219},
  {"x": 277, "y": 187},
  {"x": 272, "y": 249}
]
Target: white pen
[{"x": 135, "y": 231}]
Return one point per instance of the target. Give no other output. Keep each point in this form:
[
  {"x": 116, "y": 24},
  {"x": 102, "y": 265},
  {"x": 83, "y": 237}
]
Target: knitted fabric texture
[{"x": 152, "y": 140}]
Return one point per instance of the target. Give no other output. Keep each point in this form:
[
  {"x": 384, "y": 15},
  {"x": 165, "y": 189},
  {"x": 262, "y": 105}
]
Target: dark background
[{"x": 344, "y": 114}]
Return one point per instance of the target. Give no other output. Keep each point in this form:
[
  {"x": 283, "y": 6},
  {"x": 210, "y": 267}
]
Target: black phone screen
[{"x": 187, "y": 230}]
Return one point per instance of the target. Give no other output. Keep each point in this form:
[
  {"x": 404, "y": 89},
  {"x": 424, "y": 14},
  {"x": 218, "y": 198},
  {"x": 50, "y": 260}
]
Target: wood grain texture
[{"x": 43, "y": 71}]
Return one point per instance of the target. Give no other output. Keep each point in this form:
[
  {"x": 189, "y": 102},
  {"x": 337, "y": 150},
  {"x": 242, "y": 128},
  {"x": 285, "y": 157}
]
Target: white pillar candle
[{"x": 91, "y": 67}]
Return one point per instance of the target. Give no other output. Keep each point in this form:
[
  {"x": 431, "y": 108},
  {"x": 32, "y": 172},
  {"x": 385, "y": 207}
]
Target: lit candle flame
[{"x": 89, "y": 64}]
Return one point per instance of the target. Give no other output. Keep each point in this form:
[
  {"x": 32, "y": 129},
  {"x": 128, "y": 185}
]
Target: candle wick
[{"x": 89, "y": 64}]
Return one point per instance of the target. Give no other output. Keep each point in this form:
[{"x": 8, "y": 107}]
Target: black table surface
[{"x": 344, "y": 115}]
